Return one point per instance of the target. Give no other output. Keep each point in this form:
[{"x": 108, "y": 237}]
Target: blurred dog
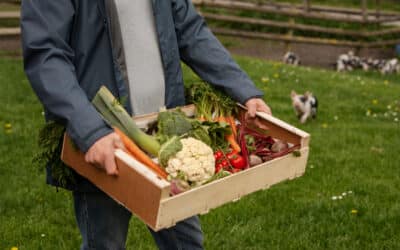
[
  {"x": 291, "y": 58},
  {"x": 350, "y": 62},
  {"x": 305, "y": 106},
  {"x": 390, "y": 67}
]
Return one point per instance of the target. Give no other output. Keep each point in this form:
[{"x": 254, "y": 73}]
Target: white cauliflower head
[{"x": 193, "y": 165}]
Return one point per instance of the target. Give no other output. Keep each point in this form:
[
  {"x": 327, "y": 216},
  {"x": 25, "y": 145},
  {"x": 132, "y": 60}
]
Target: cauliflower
[{"x": 193, "y": 165}]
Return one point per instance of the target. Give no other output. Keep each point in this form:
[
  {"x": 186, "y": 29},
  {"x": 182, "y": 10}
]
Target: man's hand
[
  {"x": 253, "y": 105},
  {"x": 101, "y": 153},
  {"x": 256, "y": 104}
]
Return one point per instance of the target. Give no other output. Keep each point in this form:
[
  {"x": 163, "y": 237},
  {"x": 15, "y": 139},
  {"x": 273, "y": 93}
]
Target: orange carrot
[
  {"x": 141, "y": 156},
  {"x": 201, "y": 118},
  {"x": 231, "y": 138},
  {"x": 219, "y": 119},
  {"x": 232, "y": 141},
  {"x": 232, "y": 123}
]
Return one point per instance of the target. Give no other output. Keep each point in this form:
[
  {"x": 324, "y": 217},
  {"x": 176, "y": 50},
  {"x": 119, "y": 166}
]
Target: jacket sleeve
[
  {"x": 46, "y": 28},
  {"x": 201, "y": 51}
]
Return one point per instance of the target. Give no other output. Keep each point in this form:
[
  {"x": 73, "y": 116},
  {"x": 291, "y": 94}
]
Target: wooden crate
[{"x": 147, "y": 196}]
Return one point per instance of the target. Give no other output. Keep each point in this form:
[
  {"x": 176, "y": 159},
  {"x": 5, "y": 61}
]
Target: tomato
[
  {"x": 231, "y": 154},
  {"x": 238, "y": 162},
  {"x": 218, "y": 155},
  {"x": 218, "y": 168},
  {"x": 225, "y": 163}
]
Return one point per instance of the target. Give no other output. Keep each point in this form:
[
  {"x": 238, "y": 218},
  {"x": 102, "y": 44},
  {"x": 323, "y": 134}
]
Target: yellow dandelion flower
[
  {"x": 276, "y": 75},
  {"x": 7, "y": 126},
  {"x": 324, "y": 125},
  {"x": 386, "y": 82},
  {"x": 354, "y": 211},
  {"x": 375, "y": 101},
  {"x": 265, "y": 79},
  {"x": 14, "y": 248}
]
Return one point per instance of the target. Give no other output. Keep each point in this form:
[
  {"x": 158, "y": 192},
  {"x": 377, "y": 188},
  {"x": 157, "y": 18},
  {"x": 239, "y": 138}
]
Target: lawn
[{"x": 347, "y": 199}]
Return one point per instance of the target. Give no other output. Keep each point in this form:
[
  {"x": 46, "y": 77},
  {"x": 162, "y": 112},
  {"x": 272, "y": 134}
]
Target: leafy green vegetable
[
  {"x": 221, "y": 174},
  {"x": 172, "y": 123},
  {"x": 217, "y": 132},
  {"x": 50, "y": 146},
  {"x": 176, "y": 123},
  {"x": 210, "y": 102},
  {"x": 169, "y": 149},
  {"x": 199, "y": 132}
]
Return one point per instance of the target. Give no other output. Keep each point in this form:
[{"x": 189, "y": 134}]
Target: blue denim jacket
[{"x": 68, "y": 56}]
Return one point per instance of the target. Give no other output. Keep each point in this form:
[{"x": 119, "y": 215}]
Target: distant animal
[
  {"x": 390, "y": 67},
  {"x": 305, "y": 105},
  {"x": 348, "y": 62},
  {"x": 291, "y": 58}
]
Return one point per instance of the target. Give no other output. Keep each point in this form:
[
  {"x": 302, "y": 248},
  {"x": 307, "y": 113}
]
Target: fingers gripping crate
[{"x": 148, "y": 197}]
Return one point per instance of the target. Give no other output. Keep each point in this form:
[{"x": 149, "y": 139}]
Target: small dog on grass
[
  {"x": 291, "y": 58},
  {"x": 305, "y": 106}
]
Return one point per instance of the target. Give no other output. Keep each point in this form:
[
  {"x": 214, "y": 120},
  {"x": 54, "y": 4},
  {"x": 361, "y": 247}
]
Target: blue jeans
[{"x": 103, "y": 224}]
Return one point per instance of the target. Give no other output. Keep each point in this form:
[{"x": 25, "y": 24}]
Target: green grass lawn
[{"x": 354, "y": 156}]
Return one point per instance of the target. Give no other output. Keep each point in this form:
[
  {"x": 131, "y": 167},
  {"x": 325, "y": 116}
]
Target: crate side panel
[
  {"x": 130, "y": 188},
  {"x": 280, "y": 129},
  {"x": 200, "y": 200}
]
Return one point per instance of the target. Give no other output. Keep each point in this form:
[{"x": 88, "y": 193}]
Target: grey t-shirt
[{"x": 133, "y": 23}]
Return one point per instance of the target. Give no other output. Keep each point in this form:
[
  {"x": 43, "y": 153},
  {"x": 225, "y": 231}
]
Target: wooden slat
[
  {"x": 231, "y": 188},
  {"x": 304, "y": 27},
  {"x": 378, "y": 33},
  {"x": 327, "y": 9},
  {"x": 134, "y": 187},
  {"x": 364, "y": 9},
  {"x": 10, "y": 32},
  {"x": 280, "y": 129},
  {"x": 276, "y": 24},
  {"x": 16, "y": 2},
  {"x": 382, "y": 43},
  {"x": 9, "y": 15},
  {"x": 298, "y": 39},
  {"x": 239, "y": 5}
]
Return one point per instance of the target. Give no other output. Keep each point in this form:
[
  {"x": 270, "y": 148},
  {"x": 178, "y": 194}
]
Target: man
[{"x": 72, "y": 47}]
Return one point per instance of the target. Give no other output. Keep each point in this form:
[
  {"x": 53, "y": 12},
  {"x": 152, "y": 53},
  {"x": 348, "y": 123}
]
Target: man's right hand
[{"x": 101, "y": 153}]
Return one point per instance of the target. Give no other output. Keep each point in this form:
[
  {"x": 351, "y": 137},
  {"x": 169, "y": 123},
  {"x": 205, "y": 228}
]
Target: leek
[{"x": 115, "y": 114}]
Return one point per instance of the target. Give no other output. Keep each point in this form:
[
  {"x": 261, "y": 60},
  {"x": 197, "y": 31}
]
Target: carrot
[
  {"x": 219, "y": 119},
  {"x": 201, "y": 118},
  {"x": 141, "y": 156},
  {"x": 231, "y": 138},
  {"x": 232, "y": 141},
  {"x": 232, "y": 123}
]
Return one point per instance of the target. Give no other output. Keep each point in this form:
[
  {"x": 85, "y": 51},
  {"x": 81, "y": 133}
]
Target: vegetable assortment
[
  {"x": 178, "y": 145},
  {"x": 188, "y": 152},
  {"x": 248, "y": 145},
  {"x": 194, "y": 151}
]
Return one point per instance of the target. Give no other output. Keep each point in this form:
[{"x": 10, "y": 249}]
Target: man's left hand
[{"x": 256, "y": 104}]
